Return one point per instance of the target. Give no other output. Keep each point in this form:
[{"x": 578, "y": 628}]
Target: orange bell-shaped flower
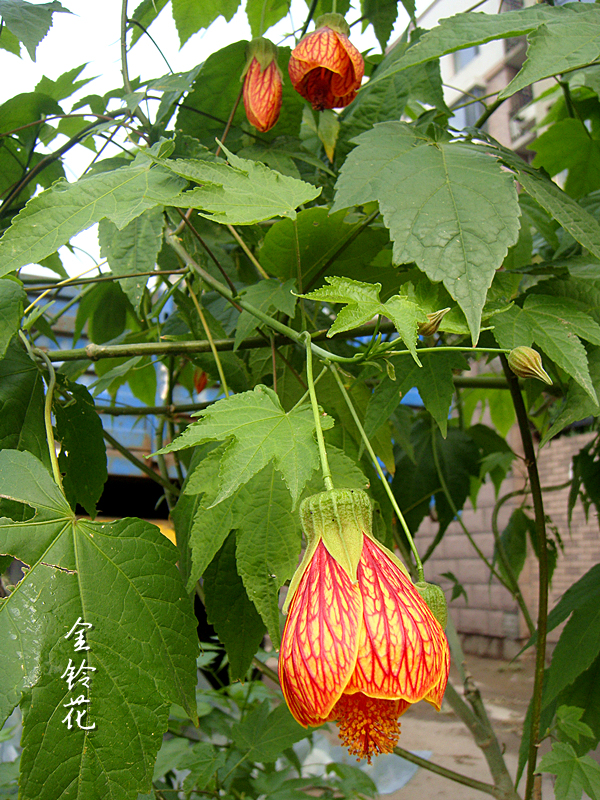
[
  {"x": 262, "y": 85},
  {"x": 325, "y": 67},
  {"x": 360, "y": 644}
]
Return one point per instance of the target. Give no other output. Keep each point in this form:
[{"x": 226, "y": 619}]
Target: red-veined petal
[
  {"x": 262, "y": 95},
  {"x": 402, "y": 650},
  {"x": 320, "y": 639},
  {"x": 436, "y": 695}
]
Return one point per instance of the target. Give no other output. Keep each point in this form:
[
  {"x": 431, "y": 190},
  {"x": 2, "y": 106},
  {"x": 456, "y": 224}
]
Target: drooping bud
[
  {"x": 435, "y": 599},
  {"x": 527, "y": 363},
  {"x": 433, "y": 323},
  {"x": 262, "y": 84}
]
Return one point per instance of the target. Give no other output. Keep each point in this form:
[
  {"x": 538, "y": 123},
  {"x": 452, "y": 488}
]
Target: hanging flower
[
  {"x": 262, "y": 85},
  {"x": 325, "y": 67},
  {"x": 360, "y": 644}
]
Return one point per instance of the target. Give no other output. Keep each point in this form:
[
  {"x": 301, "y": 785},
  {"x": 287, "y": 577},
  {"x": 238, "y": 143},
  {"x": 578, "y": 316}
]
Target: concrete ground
[{"x": 506, "y": 689}]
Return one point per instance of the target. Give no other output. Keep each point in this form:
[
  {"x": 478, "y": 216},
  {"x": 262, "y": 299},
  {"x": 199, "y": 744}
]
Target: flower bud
[
  {"x": 262, "y": 84},
  {"x": 435, "y": 599},
  {"x": 433, "y": 323},
  {"x": 527, "y": 363}
]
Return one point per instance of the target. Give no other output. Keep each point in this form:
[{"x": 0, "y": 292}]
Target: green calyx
[
  {"x": 340, "y": 518},
  {"x": 336, "y": 22},
  {"x": 435, "y": 599},
  {"x": 527, "y": 363},
  {"x": 263, "y": 50}
]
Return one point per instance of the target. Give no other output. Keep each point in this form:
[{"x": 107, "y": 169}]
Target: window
[
  {"x": 462, "y": 57},
  {"x": 465, "y": 111}
]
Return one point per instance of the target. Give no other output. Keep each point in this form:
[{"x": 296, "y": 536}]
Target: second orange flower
[{"x": 325, "y": 67}]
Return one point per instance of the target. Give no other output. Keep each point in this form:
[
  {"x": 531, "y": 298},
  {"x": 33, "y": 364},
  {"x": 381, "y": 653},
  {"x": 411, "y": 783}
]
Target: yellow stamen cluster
[{"x": 368, "y": 726}]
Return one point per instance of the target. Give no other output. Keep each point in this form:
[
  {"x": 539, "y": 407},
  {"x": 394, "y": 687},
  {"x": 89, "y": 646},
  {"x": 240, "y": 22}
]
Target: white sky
[{"x": 91, "y": 34}]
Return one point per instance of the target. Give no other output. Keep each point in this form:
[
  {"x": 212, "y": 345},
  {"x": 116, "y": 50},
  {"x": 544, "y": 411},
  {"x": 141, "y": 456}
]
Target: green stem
[
  {"x": 540, "y": 529},
  {"x": 172, "y": 380},
  {"x": 48, "y": 416},
  {"x": 449, "y": 349},
  {"x": 34, "y": 353},
  {"x": 317, "y": 417},
  {"x": 274, "y": 324},
  {"x": 569, "y": 100},
  {"x": 488, "y": 112},
  {"x": 306, "y": 394},
  {"x": 256, "y": 662},
  {"x": 457, "y": 777},
  {"x": 211, "y": 341},
  {"x": 171, "y": 410},
  {"x": 386, "y": 486},
  {"x": 502, "y": 555},
  {"x": 230, "y": 119},
  {"x": 473, "y": 714},
  {"x": 170, "y": 496},
  {"x": 102, "y": 279},
  {"x": 262, "y": 272},
  {"x": 124, "y": 68},
  {"x": 311, "y": 11},
  {"x": 166, "y": 484},
  {"x": 513, "y": 589},
  {"x": 354, "y": 233}
]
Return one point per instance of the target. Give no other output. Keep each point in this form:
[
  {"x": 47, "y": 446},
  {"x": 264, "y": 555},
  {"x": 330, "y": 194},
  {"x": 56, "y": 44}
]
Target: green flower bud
[
  {"x": 433, "y": 323},
  {"x": 435, "y": 599},
  {"x": 527, "y": 363}
]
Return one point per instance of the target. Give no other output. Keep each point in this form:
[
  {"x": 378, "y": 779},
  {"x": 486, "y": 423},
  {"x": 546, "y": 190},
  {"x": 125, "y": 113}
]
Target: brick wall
[{"x": 490, "y": 622}]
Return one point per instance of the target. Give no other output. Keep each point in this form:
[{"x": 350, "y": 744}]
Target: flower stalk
[
  {"x": 386, "y": 486},
  {"x": 325, "y": 469},
  {"x": 540, "y": 529},
  {"x": 36, "y": 354}
]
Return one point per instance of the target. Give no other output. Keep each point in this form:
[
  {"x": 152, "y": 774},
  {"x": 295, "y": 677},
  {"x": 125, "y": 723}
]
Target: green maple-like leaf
[
  {"x": 12, "y": 297},
  {"x": 568, "y": 145},
  {"x": 51, "y": 218},
  {"x": 468, "y": 30},
  {"x": 566, "y": 41},
  {"x": 121, "y": 578},
  {"x": 577, "y": 403},
  {"x": 574, "y": 774},
  {"x": 263, "y": 735},
  {"x": 267, "y": 295},
  {"x": 261, "y": 432},
  {"x": 29, "y": 22},
  {"x": 230, "y": 610},
  {"x": 133, "y": 249},
  {"x": 582, "y": 226},
  {"x": 433, "y": 380},
  {"x": 555, "y": 325},
  {"x": 268, "y": 535},
  {"x": 450, "y": 207},
  {"x": 362, "y": 304},
  {"x": 267, "y": 531},
  {"x": 241, "y": 192},
  {"x": 190, "y": 15},
  {"x": 262, "y": 14}
]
